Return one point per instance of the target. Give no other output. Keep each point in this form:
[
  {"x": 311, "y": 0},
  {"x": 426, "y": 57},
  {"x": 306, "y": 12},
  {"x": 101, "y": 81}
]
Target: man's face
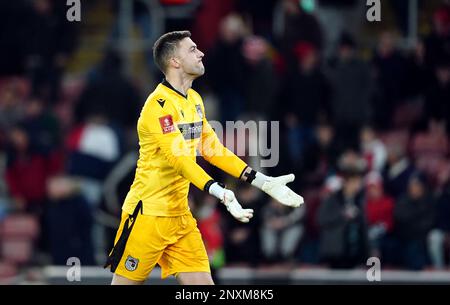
[
  {"x": 190, "y": 58},
  {"x": 416, "y": 189}
]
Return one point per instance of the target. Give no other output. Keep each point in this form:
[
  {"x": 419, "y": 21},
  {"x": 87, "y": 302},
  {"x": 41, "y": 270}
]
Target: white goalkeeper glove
[
  {"x": 229, "y": 200},
  {"x": 277, "y": 189}
]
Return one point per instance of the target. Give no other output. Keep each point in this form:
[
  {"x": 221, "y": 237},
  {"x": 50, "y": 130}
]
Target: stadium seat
[
  {"x": 19, "y": 226},
  {"x": 17, "y": 236},
  {"x": 17, "y": 250},
  {"x": 7, "y": 270}
]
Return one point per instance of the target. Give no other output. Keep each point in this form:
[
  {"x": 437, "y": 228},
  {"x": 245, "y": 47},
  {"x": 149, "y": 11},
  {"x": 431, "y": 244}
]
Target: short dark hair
[{"x": 165, "y": 46}]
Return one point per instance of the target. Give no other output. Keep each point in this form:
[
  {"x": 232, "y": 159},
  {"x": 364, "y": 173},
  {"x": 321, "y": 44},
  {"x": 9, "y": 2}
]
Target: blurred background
[{"x": 363, "y": 109}]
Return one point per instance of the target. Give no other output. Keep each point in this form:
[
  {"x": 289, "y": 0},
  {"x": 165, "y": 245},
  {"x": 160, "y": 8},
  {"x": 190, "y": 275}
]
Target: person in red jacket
[
  {"x": 379, "y": 212},
  {"x": 27, "y": 172}
]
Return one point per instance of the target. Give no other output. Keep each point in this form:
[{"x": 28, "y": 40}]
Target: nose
[{"x": 200, "y": 54}]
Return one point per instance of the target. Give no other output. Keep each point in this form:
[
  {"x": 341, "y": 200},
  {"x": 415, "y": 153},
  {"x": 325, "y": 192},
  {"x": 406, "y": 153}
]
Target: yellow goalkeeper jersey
[{"x": 171, "y": 129}]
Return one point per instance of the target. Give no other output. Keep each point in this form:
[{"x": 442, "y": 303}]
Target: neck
[{"x": 181, "y": 82}]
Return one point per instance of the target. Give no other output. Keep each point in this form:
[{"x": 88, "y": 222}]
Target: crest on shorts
[
  {"x": 199, "y": 111},
  {"x": 131, "y": 263}
]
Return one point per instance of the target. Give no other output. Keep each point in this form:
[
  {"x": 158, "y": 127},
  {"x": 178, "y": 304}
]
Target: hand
[
  {"x": 235, "y": 208},
  {"x": 277, "y": 189},
  {"x": 229, "y": 200}
]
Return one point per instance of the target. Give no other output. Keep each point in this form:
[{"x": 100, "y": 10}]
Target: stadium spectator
[
  {"x": 304, "y": 99},
  {"x": 281, "y": 232},
  {"x": 429, "y": 149},
  {"x": 418, "y": 74},
  {"x": 397, "y": 171},
  {"x": 260, "y": 13},
  {"x": 294, "y": 24},
  {"x": 390, "y": 78},
  {"x": 51, "y": 39},
  {"x": 27, "y": 172},
  {"x": 437, "y": 43},
  {"x": 413, "y": 219},
  {"x": 319, "y": 158},
  {"x": 69, "y": 222},
  {"x": 438, "y": 93},
  {"x": 351, "y": 84},
  {"x": 343, "y": 233},
  {"x": 11, "y": 106},
  {"x": 379, "y": 210},
  {"x": 243, "y": 241},
  {"x": 307, "y": 88},
  {"x": 206, "y": 25},
  {"x": 309, "y": 246},
  {"x": 92, "y": 150},
  {"x": 225, "y": 65},
  {"x": 107, "y": 93},
  {"x": 259, "y": 73},
  {"x": 439, "y": 236},
  {"x": 373, "y": 149},
  {"x": 42, "y": 126}
]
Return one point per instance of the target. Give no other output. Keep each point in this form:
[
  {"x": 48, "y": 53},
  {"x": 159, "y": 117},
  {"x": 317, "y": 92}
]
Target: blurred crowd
[{"x": 365, "y": 133}]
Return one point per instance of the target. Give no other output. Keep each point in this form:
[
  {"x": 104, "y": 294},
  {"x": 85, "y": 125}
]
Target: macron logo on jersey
[{"x": 166, "y": 123}]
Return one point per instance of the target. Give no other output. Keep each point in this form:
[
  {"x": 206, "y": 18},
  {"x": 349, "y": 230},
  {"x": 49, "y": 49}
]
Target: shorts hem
[
  {"x": 129, "y": 277},
  {"x": 165, "y": 275}
]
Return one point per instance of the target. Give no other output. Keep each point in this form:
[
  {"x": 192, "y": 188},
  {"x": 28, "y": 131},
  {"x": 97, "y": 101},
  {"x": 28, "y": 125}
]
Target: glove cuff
[
  {"x": 259, "y": 180},
  {"x": 217, "y": 190}
]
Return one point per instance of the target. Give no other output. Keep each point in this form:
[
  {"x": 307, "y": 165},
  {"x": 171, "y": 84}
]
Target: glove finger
[
  {"x": 248, "y": 216},
  {"x": 286, "y": 178},
  {"x": 243, "y": 219},
  {"x": 295, "y": 199}
]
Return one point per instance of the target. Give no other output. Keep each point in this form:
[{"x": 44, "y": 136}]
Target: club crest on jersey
[
  {"x": 131, "y": 263},
  {"x": 199, "y": 111},
  {"x": 166, "y": 123}
]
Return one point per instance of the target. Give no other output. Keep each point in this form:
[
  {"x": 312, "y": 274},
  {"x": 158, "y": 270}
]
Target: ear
[{"x": 175, "y": 62}]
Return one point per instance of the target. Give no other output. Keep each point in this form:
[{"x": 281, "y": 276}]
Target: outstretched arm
[{"x": 215, "y": 153}]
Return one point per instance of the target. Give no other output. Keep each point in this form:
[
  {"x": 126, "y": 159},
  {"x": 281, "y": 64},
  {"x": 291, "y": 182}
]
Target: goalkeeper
[{"x": 157, "y": 226}]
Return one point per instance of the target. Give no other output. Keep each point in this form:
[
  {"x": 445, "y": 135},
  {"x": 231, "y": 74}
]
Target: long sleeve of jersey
[
  {"x": 161, "y": 130},
  {"x": 218, "y": 155}
]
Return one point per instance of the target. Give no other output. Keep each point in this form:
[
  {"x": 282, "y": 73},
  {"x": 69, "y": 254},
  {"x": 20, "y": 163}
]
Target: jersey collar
[{"x": 168, "y": 85}]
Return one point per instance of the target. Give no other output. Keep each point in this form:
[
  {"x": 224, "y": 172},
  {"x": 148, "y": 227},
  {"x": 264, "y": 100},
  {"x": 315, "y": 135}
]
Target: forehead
[{"x": 185, "y": 44}]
